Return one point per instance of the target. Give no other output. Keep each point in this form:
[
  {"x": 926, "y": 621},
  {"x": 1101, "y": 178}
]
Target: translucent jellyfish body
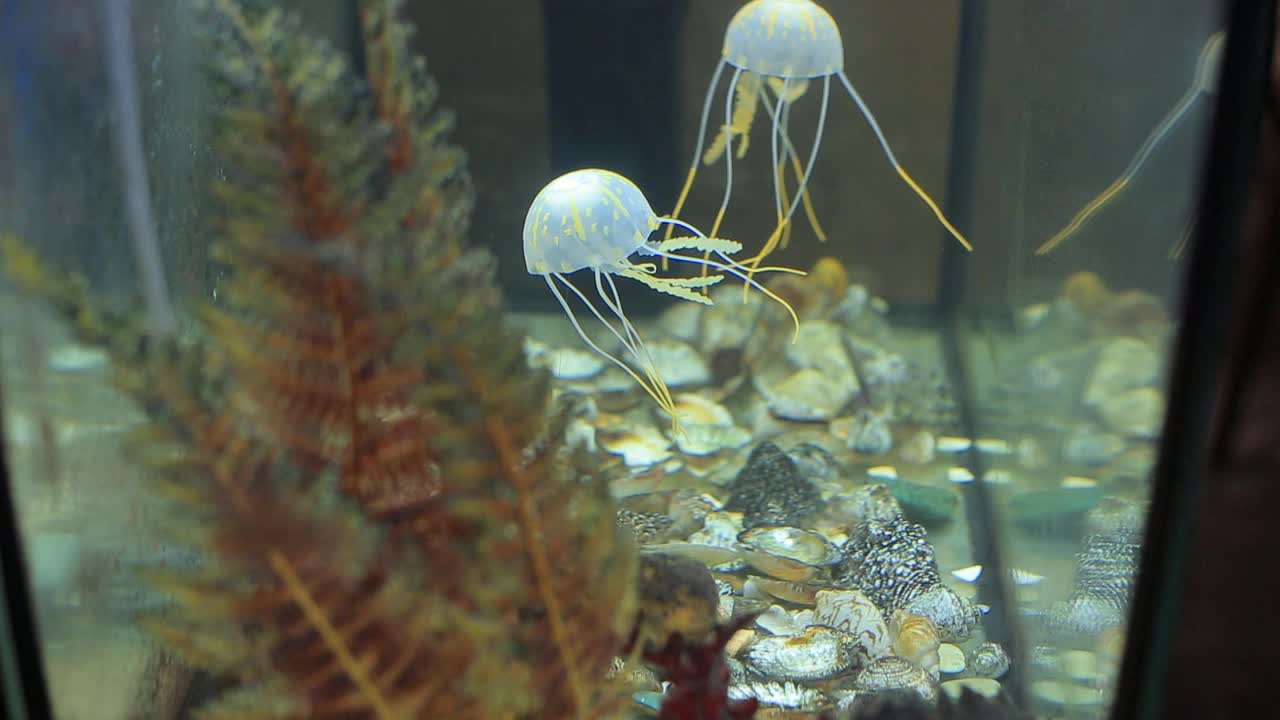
[
  {"x": 598, "y": 220},
  {"x": 1204, "y": 82},
  {"x": 776, "y": 48}
]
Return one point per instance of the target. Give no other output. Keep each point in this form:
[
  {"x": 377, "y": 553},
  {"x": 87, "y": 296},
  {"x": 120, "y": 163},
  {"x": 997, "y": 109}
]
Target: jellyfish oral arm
[
  {"x": 902, "y": 172},
  {"x": 697, "y": 146},
  {"x": 713, "y": 245}
]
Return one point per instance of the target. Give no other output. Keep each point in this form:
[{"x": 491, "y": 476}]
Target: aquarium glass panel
[
  {"x": 1088, "y": 164},
  {"x": 368, "y": 358}
]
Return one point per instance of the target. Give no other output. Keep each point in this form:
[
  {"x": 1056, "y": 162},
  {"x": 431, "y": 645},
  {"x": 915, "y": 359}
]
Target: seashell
[
  {"x": 1138, "y": 412},
  {"x": 770, "y": 490},
  {"x": 997, "y": 477},
  {"x": 571, "y": 363},
  {"x": 886, "y": 368},
  {"x": 1125, "y": 363},
  {"x": 797, "y": 593},
  {"x": 960, "y": 475},
  {"x": 721, "y": 530},
  {"x": 794, "y": 543},
  {"x": 1025, "y": 577},
  {"x": 1077, "y": 482},
  {"x": 1033, "y": 316},
  {"x": 694, "y": 409},
  {"x": 820, "y": 346},
  {"x": 688, "y": 511},
  {"x": 780, "y": 567},
  {"x": 808, "y": 395},
  {"x": 780, "y": 694},
  {"x": 895, "y": 673},
  {"x": 986, "y": 687},
  {"x": 724, "y": 609},
  {"x": 967, "y": 574},
  {"x": 700, "y": 440},
  {"x": 1055, "y": 692},
  {"x": 1043, "y": 374},
  {"x": 950, "y": 659},
  {"x": 647, "y": 527},
  {"x": 709, "y": 555},
  {"x": 955, "y": 616},
  {"x": 805, "y": 546},
  {"x": 777, "y": 621},
  {"x": 682, "y": 321},
  {"x": 952, "y": 444},
  {"x": 738, "y": 641},
  {"x": 706, "y": 466},
  {"x": 867, "y": 502},
  {"x": 814, "y": 462},
  {"x": 989, "y": 660},
  {"x": 1030, "y": 453},
  {"x": 639, "y": 446},
  {"x": 993, "y": 446},
  {"x": 870, "y": 434},
  {"x": 853, "y": 612},
  {"x": 74, "y": 358},
  {"x": 679, "y": 363},
  {"x": 613, "y": 381},
  {"x": 1089, "y": 445},
  {"x": 1079, "y": 665},
  {"x": 819, "y": 653},
  {"x": 919, "y": 449},
  {"x": 916, "y": 639},
  {"x": 851, "y": 304},
  {"x": 882, "y": 472}
]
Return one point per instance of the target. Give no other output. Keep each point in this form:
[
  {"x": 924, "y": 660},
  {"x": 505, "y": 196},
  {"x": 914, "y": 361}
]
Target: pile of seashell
[
  {"x": 759, "y": 486},
  {"x": 849, "y": 596}
]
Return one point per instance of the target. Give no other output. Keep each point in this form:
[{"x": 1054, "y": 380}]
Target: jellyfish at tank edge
[
  {"x": 596, "y": 220},
  {"x": 784, "y": 45},
  {"x": 1203, "y": 82}
]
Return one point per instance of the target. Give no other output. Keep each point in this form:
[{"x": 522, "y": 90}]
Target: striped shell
[
  {"x": 852, "y": 612},
  {"x": 989, "y": 660},
  {"x": 895, "y": 673}
]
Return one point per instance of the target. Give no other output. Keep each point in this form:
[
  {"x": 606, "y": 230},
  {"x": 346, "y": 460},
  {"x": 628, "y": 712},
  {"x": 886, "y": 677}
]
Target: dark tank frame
[{"x": 1209, "y": 309}]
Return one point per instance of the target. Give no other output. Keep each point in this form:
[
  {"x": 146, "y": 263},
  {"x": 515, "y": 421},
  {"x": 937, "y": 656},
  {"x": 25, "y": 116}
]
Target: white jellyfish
[
  {"x": 782, "y": 45},
  {"x": 598, "y": 220}
]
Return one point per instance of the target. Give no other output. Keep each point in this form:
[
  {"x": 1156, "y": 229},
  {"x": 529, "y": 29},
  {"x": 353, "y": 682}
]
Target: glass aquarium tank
[{"x": 567, "y": 359}]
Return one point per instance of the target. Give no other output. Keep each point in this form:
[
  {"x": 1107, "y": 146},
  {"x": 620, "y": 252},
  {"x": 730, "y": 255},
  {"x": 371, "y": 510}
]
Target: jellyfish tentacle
[
  {"x": 798, "y": 170},
  {"x": 1154, "y": 139},
  {"x": 697, "y": 146},
  {"x": 732, "y": 267},
  {"x": 728, "y": 157},
  {"x": 775, "y": 158},
  {"x": 573, "y": 320},
  {"x": 893, "y": 160},
  {"x": 772, "y": 243},
  {"x": 678, "y": 287}
]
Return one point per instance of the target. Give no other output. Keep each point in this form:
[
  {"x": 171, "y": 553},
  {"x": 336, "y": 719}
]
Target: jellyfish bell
[
  {"x": 586, "y": 218},
  {"x": 794, "y": 39},
  {"x": 597, "y": 220},
  {"x": 783, "y": 46}
]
